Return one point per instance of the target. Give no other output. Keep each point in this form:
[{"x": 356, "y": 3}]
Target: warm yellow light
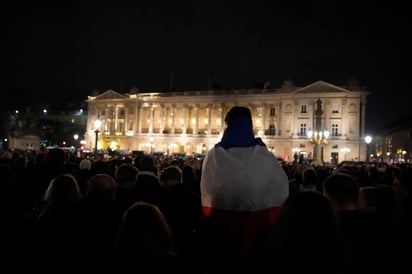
[
  {"x": 97, "y": 123},
  {"x": 345, "y": 150},
  {"x": 318, "y": 137}
]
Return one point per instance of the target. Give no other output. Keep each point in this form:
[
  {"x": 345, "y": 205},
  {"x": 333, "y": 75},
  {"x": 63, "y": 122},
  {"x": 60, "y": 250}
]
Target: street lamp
[
  {"x": 368, "y": 140},
  {"x": 318, "y": 138},
  {"x": 97, "y": 124},
  {"x": 75, "y": 137},
  {"x": 388, "y": 157}
]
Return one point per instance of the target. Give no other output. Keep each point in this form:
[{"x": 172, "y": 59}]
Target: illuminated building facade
[{"x": 192, "y": 121}]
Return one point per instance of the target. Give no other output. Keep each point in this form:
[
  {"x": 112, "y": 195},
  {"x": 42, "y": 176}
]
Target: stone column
[
  {"x": 116, "y": 119},
  {"x": 196, "y": 127},
  {"x": 140, "y": 118},
  {"x": 151, "y": 119},
  {"x": 209, "y": 119},
  {"x": 185, "y": 118},
  {"x": 173, "y": 115}
]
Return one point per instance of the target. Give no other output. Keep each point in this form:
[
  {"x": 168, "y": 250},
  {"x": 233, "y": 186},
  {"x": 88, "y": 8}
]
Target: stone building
[
  {"x": 393, "y": 142},
  {"x": 25, "y": 135},
  {"x": 320, "y": 121}
]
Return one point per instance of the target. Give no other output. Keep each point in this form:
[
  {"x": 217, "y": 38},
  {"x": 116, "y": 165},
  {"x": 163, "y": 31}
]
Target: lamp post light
[
  {"x": 368, "y": 140},
  {"x": 97, "y": 124},
  {"x": 75, "y": 137},
  {"x": 318, "y": 138}
]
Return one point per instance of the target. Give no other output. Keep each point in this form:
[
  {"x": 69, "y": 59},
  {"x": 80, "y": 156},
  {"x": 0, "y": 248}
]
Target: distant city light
[{"x": 44, "y": 111}]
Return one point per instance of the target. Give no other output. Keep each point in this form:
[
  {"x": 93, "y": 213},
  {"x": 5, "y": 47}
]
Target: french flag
[{"x": 242, "y": 188}]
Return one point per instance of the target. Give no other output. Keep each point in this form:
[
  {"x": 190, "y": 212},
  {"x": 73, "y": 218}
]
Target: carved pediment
[
  {"x": 320, "y": 87},
  {"x": 110, "y": 94}
]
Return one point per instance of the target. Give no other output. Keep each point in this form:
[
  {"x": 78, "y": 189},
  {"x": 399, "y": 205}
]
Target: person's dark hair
[
  {"x": 101, "y": 186},
  {"x": 236, "y": 112},
  {"x": 342, "y": 187},
  {"x": 310, "y": 178},
  {"x": 175, "y": 162},
  {"x": 307, "y": 230},
  {"x": 56, "y": 157},
  {"x": 126, "y": 172},
  {"x": 144, "y": 231},
  {"x": 147, "y": 163},
  {"x": 62, "y": 188},
  {"x": 239, "y": 129},
  {"x": 172, "y": 173}
]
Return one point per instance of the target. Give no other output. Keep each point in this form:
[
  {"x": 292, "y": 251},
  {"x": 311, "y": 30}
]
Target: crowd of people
[{"x": 235, "y": 211}]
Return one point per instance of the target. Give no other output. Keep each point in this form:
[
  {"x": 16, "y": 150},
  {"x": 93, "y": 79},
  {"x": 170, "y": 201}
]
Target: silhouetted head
[
  {"x": 147, "y": 163},
  {"x": 239, "y": 129},
  {"x": 238, "y": 112}
]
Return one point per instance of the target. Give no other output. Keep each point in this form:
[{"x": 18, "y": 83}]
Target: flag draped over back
[
  {"x": 242, "y": 187},
  {"x": 241, "y": 190}
]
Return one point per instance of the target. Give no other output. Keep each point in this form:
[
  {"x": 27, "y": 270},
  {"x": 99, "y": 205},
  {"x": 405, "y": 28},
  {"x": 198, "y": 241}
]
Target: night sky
[{"x": 69, "y": 50}]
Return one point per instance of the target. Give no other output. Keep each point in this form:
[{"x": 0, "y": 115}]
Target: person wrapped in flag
[{"x": 242, "y": 188}]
